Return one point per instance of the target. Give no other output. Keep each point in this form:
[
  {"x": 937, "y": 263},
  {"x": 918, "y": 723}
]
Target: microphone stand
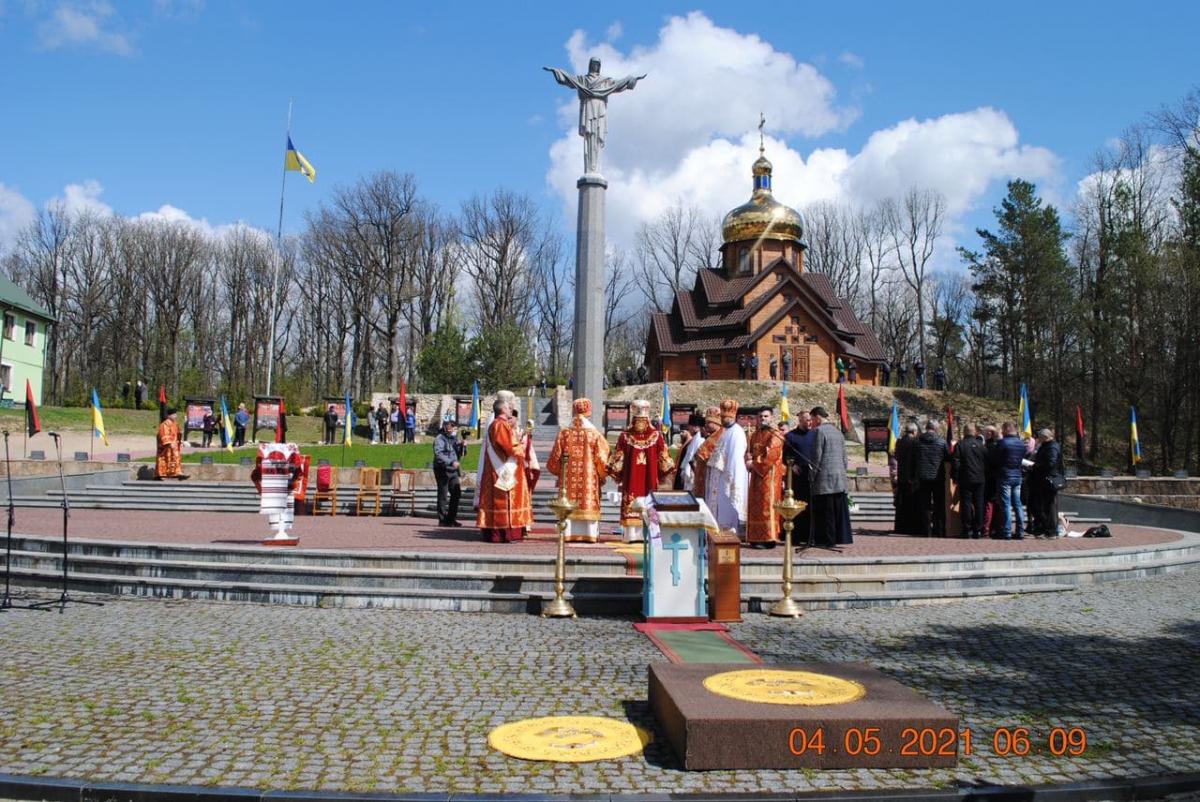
[
  {"x": 65, "y": 598},
  {"x": 7, "y": 603}
]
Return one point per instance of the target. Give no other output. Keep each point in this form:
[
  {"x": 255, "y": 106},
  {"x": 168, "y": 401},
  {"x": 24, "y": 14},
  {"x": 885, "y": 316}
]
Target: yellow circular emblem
[
  {"x": 778, "y": 687},
  {"x": 568, "y": 739}
]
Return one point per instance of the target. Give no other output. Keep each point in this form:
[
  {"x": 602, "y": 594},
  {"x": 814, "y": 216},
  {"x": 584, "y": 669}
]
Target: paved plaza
[{"x": 375, "y": 700}]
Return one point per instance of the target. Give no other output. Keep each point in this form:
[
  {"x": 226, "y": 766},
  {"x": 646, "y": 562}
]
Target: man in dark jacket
[
  {"x": 932, "y": 454},
  {"x": 991, "y": 481},
  {"x": 1012, "y": 452},
  {"x": 1047, "y": 469},
  {"x": 447, "y": 451},
  {"x": 331, "y": 425},
  {"x": 905, "y": 483},
  {"x": 970, "y": 471}
]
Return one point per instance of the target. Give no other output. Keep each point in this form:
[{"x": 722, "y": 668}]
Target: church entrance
[{"x": 799, "y": 357}]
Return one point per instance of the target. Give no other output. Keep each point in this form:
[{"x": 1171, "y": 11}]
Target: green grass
[
  {"x": 301, "y": 428},
  {"x": 410, "y": 455}
]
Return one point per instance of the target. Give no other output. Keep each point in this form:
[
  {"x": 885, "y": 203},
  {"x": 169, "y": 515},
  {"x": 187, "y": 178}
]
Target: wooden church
[{"x": 762, "y": 302}]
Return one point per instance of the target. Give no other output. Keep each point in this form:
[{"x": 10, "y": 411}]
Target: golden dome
[{"x": 763, "y": 217}]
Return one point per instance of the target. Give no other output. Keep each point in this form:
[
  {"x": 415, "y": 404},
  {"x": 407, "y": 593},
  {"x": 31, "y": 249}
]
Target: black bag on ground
[{"x": 1098, "y": 531}]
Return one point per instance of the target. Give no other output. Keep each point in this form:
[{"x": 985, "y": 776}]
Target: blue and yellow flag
[
  {"x": 294, "y": 160},
  {"x": 97, "y": 417},
  {"x": 894, "y": 428},
  {"x": 348, "y": 426},
  {"x": 226, "y": 426},
  {"x": 1023, "y": 414},
  {"x": 785, "y": 412},
  {"x": 664, "y": 415},
  {"x": 474, "y": 422},
  {"x": 1135, "y": 447}
]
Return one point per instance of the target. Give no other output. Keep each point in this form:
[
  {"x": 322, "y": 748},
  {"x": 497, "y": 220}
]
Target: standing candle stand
[
  {"x": 788, "y": 509},
  {"x": 562, "y": 508}
]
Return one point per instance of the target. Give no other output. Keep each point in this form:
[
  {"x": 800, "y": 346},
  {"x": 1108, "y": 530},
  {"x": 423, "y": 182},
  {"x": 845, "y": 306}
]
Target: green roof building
[{"x": 22, "y": 342}]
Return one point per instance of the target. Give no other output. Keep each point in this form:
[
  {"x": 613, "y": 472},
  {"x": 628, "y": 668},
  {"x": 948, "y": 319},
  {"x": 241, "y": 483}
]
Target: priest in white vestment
[{"x": 726, "y": 480}]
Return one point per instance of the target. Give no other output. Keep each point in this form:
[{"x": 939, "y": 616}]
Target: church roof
[{"x": 709, "y": 317}]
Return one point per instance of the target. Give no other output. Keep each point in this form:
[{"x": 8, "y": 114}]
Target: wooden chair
[
  {"x": 368, "y": 490},
  {"x": 326, "y": 491},
  {"x": 404, "y": 491}
]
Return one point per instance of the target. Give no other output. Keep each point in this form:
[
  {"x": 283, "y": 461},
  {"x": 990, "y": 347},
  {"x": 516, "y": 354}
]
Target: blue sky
[{"x": 140, "y": 105}]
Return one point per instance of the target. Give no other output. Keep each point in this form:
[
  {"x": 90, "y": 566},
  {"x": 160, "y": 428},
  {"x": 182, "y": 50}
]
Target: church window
[
  {"x": 778, "y": 338},
  {"x": 715, "y": 359},
  {"x": 744, "y": 261},
  {"x": 812, "y": 338},
  {"x": 796, "y": 322}
]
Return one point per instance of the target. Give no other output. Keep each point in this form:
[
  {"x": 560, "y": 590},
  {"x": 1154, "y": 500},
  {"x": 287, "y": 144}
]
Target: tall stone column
[{"x": 589, "y": 294}]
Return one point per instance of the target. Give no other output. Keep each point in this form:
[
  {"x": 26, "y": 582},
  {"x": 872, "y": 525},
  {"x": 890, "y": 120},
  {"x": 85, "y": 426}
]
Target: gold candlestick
[
  {"x": 562, "y": 508},
  {"x": 788, "y": 509}
]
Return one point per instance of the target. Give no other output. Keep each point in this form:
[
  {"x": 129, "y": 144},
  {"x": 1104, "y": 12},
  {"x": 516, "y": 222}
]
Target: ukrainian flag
[
  {"x": 894, "y": 428},
  {"x": 97, "y": 417},
  {"x": 474, "y": 422},
  {"x": 1023, "y": 413},
  {"x": 347, "y": 436},
  {"x": 294, "y": 160},
  {"x": 665, "y": 415},
  {"x": 785, "y": 412},
  {"x": 226, "y": 425},
  {"x": 1135, "y": 447}
]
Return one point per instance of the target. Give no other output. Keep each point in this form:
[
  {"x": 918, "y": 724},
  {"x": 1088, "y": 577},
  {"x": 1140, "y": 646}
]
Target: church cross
[
  {"x": 762, "y": 120},
  {"x": 676, "y": 546}
]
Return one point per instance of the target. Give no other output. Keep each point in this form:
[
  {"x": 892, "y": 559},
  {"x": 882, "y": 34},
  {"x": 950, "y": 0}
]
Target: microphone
[{"x": 55, "y": 435}]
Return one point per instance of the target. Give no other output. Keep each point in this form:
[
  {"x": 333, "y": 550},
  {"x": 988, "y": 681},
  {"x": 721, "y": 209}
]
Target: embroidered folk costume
[
  {"x": 765, "y": 462},
  {"x": 580, "y": 458},
  {"x": 725, "y": 476},
  {"x": 169, "y": 463},
  {"x": 505, "y": 501},
  {"x": 639, "y": 462}
]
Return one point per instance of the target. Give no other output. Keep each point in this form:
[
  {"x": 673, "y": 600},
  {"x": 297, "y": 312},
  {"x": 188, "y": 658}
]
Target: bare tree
[
  {"x": 669, "y": 252},
  {"x": 500, "y": 234},
  {"x": 837, "y": 246},
  {"x": 879, "y": 257},
  {"x": 554, "y": 305},
  {"x": 914, "y": 224}
]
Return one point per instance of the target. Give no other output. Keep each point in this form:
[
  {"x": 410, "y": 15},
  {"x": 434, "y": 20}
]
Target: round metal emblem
[
  {"x": 778, "y": 687},
  {"x": 569, "y": 739}
]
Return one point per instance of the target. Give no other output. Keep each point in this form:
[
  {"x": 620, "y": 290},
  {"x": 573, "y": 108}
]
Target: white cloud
[
  {"x": 84, "y": 198},
  {"x": 852, "y": 60},
  {"x": 614, "y": 32},
  {"x": 92, "y": 24},
  {"x": 16, "y": 212},
  {"x": 688, "y": 132}
]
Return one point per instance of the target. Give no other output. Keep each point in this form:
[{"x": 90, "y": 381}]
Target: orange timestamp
[{"x": 939, "y": 742}]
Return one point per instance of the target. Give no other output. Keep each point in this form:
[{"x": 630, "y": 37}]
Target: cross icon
[{"x": 676, "y": 545}]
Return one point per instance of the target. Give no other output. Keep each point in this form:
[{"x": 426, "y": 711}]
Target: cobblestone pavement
[{"x": 294, "y": 697}]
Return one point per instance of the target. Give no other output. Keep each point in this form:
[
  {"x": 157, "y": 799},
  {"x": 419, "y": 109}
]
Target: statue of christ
[{"x": 593, "y": 90}]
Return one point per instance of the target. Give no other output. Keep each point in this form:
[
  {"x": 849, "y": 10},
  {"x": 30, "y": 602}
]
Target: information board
[
  {"x": 875, "y": 436},
  {"x": 616, "y": 417},
  {"x": 194, "y": 411},
  {"x": 266, "y": 413}
]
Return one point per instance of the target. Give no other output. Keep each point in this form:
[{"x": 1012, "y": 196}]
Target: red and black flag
[
  {"x": 1079, "y": 433},
  {"x": 162, "y": 403},
  {"x": 33, "y": 424},
  {"x": 281, "y": 427},
  {"x": 950, "y": 438},
  {"x": 843, "y": 412}
]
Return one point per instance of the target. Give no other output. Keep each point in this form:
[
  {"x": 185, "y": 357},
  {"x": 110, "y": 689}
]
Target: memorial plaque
[
  {"x": 37, "y": 454},
  {"x": 1107, "y": 473},
  {"x": 339, "y": 406},
  {"x": 123, "y": 457},
  {"x": 616, "y": 417},
  {"x": 1142, "y": 473},
  {"x": 195, "y": 409},
  {"x": 246, "y": 462},
  {"x": 801, "y": 715},
  {"x": 266, "y": 413},
  {"x": 81, "y": 456},
  {"x": 876, "y": 436},
  {"x": 1180, "y": 474}
]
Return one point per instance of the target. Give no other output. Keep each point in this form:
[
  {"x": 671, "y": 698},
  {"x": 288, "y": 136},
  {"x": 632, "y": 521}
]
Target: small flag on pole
[
  {"x": 785, "y": 412},
  {"x": 33, "y": 424},
  {"x": 665, "y": 414},
  {"x": 97, "y": 417},
  {"x": 894, "y": 428},
  {"x": 1079, "y": 432},
  {"x": 843, "y": 413},
  {"x": 475, "y": 421},
  {"x": 348, "y": 426},
  {"x": 294, "y": 161},
  {"x": 1024, "y": 414},
  {"x": 950, "y": 428},
  {"x": 226, "y": 426},
  {"x": 1135, "y": 446}
]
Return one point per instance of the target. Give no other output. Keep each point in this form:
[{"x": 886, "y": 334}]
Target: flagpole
[{"x": 278, "y": 255}]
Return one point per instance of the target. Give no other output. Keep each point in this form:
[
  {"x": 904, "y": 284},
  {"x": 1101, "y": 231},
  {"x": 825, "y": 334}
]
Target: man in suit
[
  {"x": 831, "y": 507},
  {"x": 970, "y": 471}
]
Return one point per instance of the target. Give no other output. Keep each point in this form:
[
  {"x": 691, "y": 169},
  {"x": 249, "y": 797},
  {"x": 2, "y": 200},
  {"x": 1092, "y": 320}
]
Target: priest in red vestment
[
  {"x": 579, "y": 459},
  {"x": 711, "y": 432},
  {"x": 764, "y": 460},
  {"x": 639, "y": 462},
  {"x": 505, "y": 503}
]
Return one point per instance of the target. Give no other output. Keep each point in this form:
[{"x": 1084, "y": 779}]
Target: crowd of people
[{"x": 1007, "y": 487}]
